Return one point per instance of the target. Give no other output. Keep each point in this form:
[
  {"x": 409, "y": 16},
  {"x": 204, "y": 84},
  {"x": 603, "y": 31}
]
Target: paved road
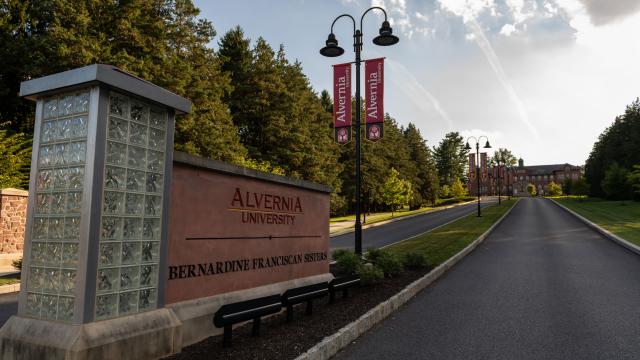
[
  {"x": 8, "y": 306},
  {"x": 402, "y": 229},
  {"x": 542, "y": 286}
]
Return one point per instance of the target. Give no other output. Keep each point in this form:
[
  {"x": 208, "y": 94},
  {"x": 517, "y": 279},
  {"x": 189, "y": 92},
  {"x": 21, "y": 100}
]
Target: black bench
[
  {"x": 238, "y": 312},
  {"x": 303, "y": 294},
  {"x": 342, "y": 284}
]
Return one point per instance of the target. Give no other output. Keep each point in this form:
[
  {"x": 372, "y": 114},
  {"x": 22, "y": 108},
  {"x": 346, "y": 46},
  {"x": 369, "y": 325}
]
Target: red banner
[
  {"x": 342, "y": 102},
  {"x": 374, "y": 98},
  {"x": 483, "y": 165},
  {"x": 472, "y": 166}
]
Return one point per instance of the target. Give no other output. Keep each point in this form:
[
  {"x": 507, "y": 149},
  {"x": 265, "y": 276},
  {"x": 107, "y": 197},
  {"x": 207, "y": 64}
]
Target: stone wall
[{"x": 13, "y": 216}]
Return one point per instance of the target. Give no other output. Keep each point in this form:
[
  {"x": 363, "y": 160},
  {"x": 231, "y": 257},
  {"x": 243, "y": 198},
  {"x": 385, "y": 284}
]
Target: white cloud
[
  {"x": 421, "y": 16},
  {"x": 507, "y": 30},
  {"x": 398, "y": 15}
]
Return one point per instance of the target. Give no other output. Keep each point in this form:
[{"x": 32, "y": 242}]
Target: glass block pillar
[
  {"x": 55, "y": 234},
  {"x": 97, "y": 217}
]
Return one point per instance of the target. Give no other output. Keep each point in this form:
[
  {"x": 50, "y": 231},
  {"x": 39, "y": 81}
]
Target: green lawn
[
  {"x": 442, "y": 243},
  {"x": 620, "y": 217},
  {"x": 9, "y": 280}
]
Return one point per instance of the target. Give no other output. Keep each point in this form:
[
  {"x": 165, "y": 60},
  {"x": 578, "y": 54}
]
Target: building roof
[{"x": 547, "y": 169}]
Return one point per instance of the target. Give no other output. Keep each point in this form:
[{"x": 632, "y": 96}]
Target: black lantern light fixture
[
  {"x": 331, "y": 49},
  {"x": 468, "y": 147}
]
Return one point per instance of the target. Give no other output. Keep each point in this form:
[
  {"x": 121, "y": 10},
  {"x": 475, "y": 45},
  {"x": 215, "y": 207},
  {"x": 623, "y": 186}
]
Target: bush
[
  {"x": 415, "y": 260},
  {"x": 346, "y": 261},
  {"x": 531, "y": 189},
  {"x": 372, "y": 255},
  {"x": 369, "y": 274},
  {"x": 554, "y": 189},
  {"x": 17, "y": 264}
]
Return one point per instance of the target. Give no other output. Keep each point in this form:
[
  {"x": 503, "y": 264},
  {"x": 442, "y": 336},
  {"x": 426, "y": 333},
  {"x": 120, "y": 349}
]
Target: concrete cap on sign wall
[{"x": 103, "y": 74}]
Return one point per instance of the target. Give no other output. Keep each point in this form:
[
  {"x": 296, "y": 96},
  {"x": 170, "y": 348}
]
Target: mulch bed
[{"x": 279, "y": 340}]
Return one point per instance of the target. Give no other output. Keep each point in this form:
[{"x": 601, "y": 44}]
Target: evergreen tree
[
  {"x": 15, "y": 157},
  {"x": 425, "y": 177},
  {"x": 451, "y": 158}
]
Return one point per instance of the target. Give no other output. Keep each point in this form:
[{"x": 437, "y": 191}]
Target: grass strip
[
  {"x": 619, "y": 217},
  {"x": 442, "y": 243}
]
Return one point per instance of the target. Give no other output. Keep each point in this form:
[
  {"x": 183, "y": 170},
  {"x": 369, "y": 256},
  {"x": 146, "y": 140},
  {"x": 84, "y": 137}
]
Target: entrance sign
[
  {"x": 342, "y": 102},
  {"x": 374, "y": 98}
]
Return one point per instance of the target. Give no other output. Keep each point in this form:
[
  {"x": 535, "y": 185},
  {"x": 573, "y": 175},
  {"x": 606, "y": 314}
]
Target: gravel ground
[{"x": 279, "y": 340}]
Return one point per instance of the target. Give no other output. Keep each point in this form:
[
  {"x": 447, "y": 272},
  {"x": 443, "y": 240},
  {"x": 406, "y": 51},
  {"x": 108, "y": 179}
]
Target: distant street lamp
[
  {"x": 332, "y": 49},
  {"x": 486, "y": 146},
  {"x": 507, "y": 169}
]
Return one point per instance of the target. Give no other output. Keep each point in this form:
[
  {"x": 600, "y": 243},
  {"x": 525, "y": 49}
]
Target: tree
[
  {"x": 395, "y": 191},
  {"x": 634, "y": 181},
  {"x": 444, "y": 192},
  {"x": 15, "y": 157},
  {"x": 531, "y": 189},
  {"x": 457, "y": 189},
  {"x": 567, "y": 186},
  {"x": 580, "y": 188},
  {"x": 554, "y": 189},
  {"x": 505, "y": 156},
  {"x": 451, "y": 158},
  {"x": 615, "y": 183},
  {"x": 424, "y": 177}
]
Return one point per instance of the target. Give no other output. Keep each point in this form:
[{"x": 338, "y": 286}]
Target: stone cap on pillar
[{"x": 108, "y": 75}]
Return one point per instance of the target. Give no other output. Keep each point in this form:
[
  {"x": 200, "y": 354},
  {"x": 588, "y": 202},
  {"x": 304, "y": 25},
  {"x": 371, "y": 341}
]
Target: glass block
[
  {"x": 117, "y": 129},
  {"x": 158, "y": 118},
  {"x": 132, "y": 228},
  {"x": 53, "y": 254},
  {"x": 51, "y": 280},
  {"x": 78, "y": 127},
  {"x": 44, "y": 180},
  {"x": 60, "y": 177},
  {"x": 56, "y": 228},
  {"x": 136, "y": 157},
  {"x": 137, "y": 134},
  {"x": 139, "y": 112},
  {"x": 70, "y": 254},
  {"x": 107, "y": 279},
  {"x": 75, "y": 178},
  {"x": 156, "y": 139},
  {"x": 109, "y": 254},
  {"x": 62, "y": 129},
  {"x": 111, "y": 228},
  {"x": 113, "y": 202},
  {"x": 74, "y": 202},
  {"x": 51, "y": 108},
  {"x": 58, "y": 202},
  {"x": 130, "y": 252},
  {"x": 151, "y": 229},
  {"x": 119, "y": 105},
  {"x": 72, "y": 228},
  {"x": 152, "y": 205},
  {"x": 154, "y": 182},
  {"x": 76, "y": 152},
  {"x": 106, "y": 306},
  {"x": 59, "y": 154},
  {"x": 114, "y": 178},
  {"x": 148, "y": 275},
  {"x": 38, "y": 252},
  {"x": 36, "y": 278},
  {"x": 34, "y": 304},
  {"x": 65, "y": 308},
  {"x": 82, "y": 103},
  {"x": 116, "y": 153},
  {"x": 147, "y": 299},
  {"x": 155, "y": 161},
  {"x": 40, "y": 227},
  {"x": 151, "y": 251},
  {"x": 66, "y": 105},
  {"x": 43, "y": 203},
  {"x": 67, "y": 281},
  {"x": 135, "y": 180},
  {"x": 129, "y": 277},
  {"x": 45, "y": 156},
  {"x": 46, "y": 132},
  {"x": 128, "y": 302},
  {"x": 134, "y": 204},
  {"x": 49, "y": 306}
]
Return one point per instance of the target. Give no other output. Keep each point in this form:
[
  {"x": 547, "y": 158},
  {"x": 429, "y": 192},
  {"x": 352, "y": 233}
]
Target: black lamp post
[
  {"x": 332, "y": 49},
  {"x": 486, "y": 146},
  {"x": 506, "y": 170},
  {"x": 499, "y": 183}
]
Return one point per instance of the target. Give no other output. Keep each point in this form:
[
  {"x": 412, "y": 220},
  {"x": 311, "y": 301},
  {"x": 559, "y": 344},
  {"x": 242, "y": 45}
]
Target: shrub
[
  {"x": 346, "y": 261},
  {"x": 554, "y": 189},
  {"x": 369, "y": 274},
  {"x": 372, "y": 255},
  {"x": 17, "y": 264},
  {"x": 415, "y": 260},
  {"x": 531, "y": 189},
  {"x": 389, "y": 263}
]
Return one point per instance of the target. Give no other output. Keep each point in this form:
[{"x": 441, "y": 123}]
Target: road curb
[
  {"x": 606, "y": 233},
  {"x": 6, "y": 289},
  {"x": 330, "y": 345},
  {"x": 350, "y": 230}
]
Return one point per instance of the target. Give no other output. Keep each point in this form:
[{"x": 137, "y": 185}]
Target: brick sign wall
[{"x": 13, "y": 214}]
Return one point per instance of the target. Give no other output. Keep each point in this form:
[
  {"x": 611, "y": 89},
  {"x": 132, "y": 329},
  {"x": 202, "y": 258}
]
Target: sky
[{"x": 542, "y": 78}]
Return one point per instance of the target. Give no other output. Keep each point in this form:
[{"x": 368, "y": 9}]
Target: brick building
[{"x": 521, "y": 176}]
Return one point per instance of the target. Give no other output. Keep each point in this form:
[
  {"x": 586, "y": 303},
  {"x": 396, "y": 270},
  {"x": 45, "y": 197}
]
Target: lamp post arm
[
  {"x": 341, "y": 16},
  {"x": 372, "y": 8}
]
